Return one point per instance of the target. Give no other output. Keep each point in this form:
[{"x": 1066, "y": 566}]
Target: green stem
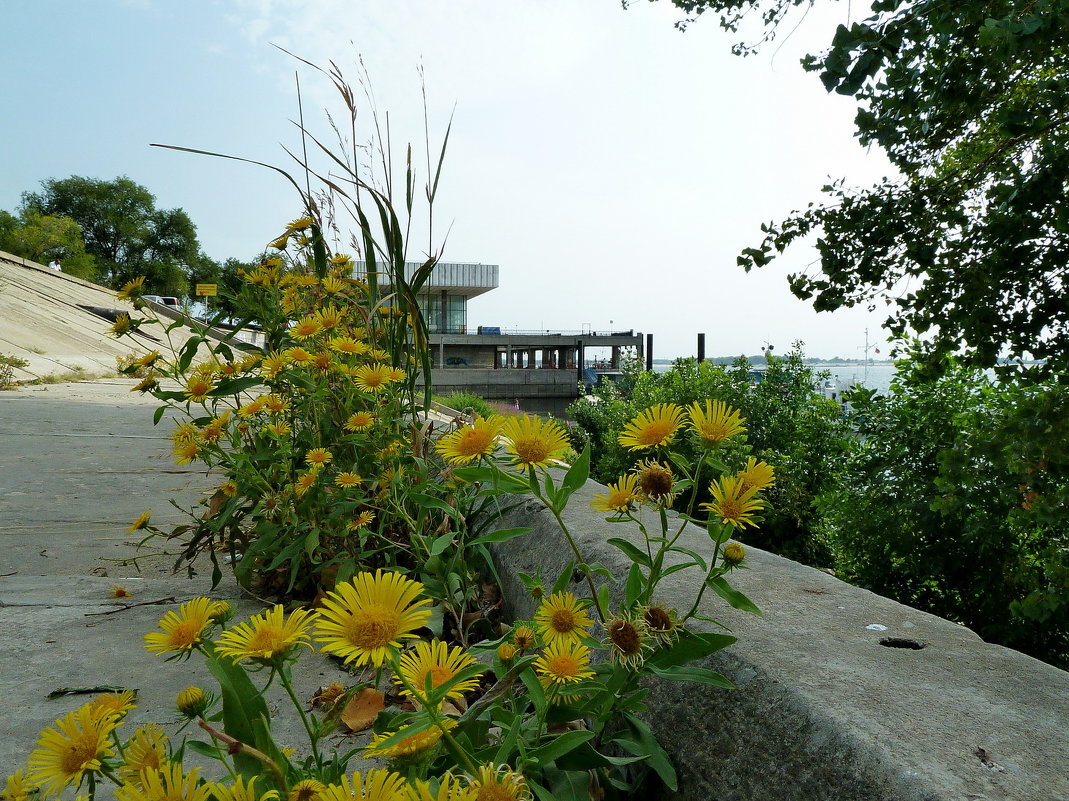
[
  {"x": 313, "y": 737},
  {"x": 705, "y": 581}
]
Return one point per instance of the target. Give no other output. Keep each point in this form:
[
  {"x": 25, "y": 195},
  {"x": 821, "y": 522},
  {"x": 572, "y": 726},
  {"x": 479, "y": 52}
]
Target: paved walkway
[{"x": 78, "y": 463}]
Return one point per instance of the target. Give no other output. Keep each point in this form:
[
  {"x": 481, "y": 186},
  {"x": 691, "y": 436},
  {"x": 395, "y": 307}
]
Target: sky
[{"x": 611, "y": 165}]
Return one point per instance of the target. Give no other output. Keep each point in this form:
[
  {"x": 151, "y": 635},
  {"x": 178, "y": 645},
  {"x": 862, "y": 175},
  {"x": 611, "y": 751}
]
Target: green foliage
[
  {"x": 7, "y": 370},
  {"x": 42, "y": 238},
  {"x": 955, "y": 502},
  {"x": 788, "y": 425},
  {"x": 467, "y": 400},
  {"x": 124, "y": 231}
]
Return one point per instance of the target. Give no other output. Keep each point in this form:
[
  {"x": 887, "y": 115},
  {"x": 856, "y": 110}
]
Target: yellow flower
[
  {"x": 732, "y": 503},
  {"x": 524, "y": 637},
  {"x": 186, "y": 452},
  {"x": 18, "y": 788},
  {"x": 361, "y": 520},
  {"x": 167, "y": 783},
  {"x": 298, "y": 356},
  {"x": 715, "y": 422},
  {"x": 450, "y": 788},
  {"x": 182, "y": 630},
  {"x": 375, "y": 785},
  {"x": 654, "y": 427},
  {"x": 229, "y": 489},
  {"x": 114, "y": 704},
  {"x": 131, "y": 289},
  {"x": 122, "y": 325},
  {"x": 280, "y": 243},
  {"x": 322, "y": 361},
  {"x": 148, "y": 359},
  {"x": 198, "y": 387},
  {"x": 364, "y": 619},
  {"x": 76, "y": 744},
  {"x": 341, "y": 260},
  {"x": 564, "y": 662},
  {"x": 318, "y": 457},
  {"x": 758, "y": 475},
  {"x": 627, "y": 639},
  {"x": 221, "y": 611},
  {"x": 307, "y": 790},
  {"x": 500, "y": 783},
  {"x": 240, "y": 791},
  {"x": 329, "y": 316},
  {"x": 348, "y": 480},
  {"x": 372, "y": 377},
  {"x": 532, "y": 441},
  {"x": 304, "y": 482},
  {"x": 146, "y": 749},
  {"x": 280, "y": 429},
  {"x": 192, "y": 701},
  {"x": 378, "y": 354},
  {"x": 213, "y": 431},
  {"x": 655, "y": 482},
  {"x": 118, "y": 592},
  {"x": 273, "y": 364},
  {"x": 252, "y": 408},
  {"x": 561, "y": 616},
  {"x": 140, "y": 523},
  {"x": 146, "y": 383},
  {"x": 471, "y": 442},
  {"x": 276, "y": 404},
  {"x": 436, "y": 662},
  {"x": 333, "y": 285},
  {"x": 506, "y": 652},
  {"x": 299, "y": 224},
  {"x": 348, "y": 345},
  {"x": 412, "y": 745},
  {"x": 306, "y": 327},
  {"x": 734, "y": 553},
  {"x": 267, "y": 637},
  {"x": 620, "y": 497}
]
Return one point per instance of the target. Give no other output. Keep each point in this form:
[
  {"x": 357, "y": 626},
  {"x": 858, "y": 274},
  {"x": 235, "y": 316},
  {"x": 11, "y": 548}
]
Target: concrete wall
[
  {"x": 822, "y": 709},
  {"x": 507, "y": 384}
]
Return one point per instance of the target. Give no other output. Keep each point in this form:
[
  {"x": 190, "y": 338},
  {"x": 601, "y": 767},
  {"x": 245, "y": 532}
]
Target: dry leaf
[{"x": 362, "y": 710}]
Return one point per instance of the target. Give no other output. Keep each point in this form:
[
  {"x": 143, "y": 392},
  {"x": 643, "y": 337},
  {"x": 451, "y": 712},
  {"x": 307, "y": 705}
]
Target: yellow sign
[{"x": 206, "y": 290}]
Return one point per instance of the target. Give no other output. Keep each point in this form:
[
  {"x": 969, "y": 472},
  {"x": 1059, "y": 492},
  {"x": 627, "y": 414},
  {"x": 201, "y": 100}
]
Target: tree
[
  {"x": 970, "y": 244},
  {"x": 42, "y": 238},
  {"x": 124, "y": 230}
]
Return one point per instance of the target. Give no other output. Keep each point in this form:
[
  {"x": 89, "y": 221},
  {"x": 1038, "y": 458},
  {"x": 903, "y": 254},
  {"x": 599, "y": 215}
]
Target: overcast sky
[{"x": 611, "y": 165}]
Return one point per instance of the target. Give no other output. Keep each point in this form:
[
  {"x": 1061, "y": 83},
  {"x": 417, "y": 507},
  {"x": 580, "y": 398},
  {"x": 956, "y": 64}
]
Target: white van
[{"x": 163, "y": 301}]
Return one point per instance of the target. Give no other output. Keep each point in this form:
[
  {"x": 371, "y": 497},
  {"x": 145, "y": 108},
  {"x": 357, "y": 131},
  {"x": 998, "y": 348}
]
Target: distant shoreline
[{"x": 759, "y": 360}]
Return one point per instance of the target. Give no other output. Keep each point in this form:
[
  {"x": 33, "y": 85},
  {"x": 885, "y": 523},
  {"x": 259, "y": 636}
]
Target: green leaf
[
  {"x": 696, "y": 674},
  {"x": 189, "y": 350},
  {"x": 720, "y": 586},
  {"x": 242, "y": 704},
  {"x": 633, "y": 588},
  {"x": 158, "y": 415},
  {"x": 634, "y": 553},
  {"x": 501, "y": 535},
  {"x": 235, "y": 385},
  {"x": 440, "y": 544},
  {"x": 577, "y": 474},
  {"x": 656, "y": 757},
  {"x": 689, "y": 647},
  {"x": 430, "y": 502},
  {"x": 559, "y": 746}
]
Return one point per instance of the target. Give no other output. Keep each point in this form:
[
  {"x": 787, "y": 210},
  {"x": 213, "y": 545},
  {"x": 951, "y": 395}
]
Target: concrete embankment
[{"x": 842, "y": 695}]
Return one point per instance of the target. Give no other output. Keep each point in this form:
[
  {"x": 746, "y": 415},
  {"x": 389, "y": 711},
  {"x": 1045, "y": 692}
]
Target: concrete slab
[{"x": 78, "y": 463}]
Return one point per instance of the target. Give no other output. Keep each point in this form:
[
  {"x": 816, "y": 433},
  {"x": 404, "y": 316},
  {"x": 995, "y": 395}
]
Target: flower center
[
  {"x": 658, "y": 619},
  {"x": 625, "y": 637},
  {"x": 655, "y": 433},
  {"x": 267, "y": 641},
  {"x": 655, "y": 482},
  {"x": 473, "y": 442},
  {"x": 76, "y": 756},
  {"x": 563, "y": 620},
  {"x": 373, "y": 626},
  {"x": 495, "y": 792},
  {"x": 185, "y": 634},
  {"x": 563, "y": 667},
  {"x": 530, "y": 450}
]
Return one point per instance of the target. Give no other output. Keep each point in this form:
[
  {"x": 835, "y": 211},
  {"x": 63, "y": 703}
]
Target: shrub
[
  {"x": 7, "y": 370},
  {"x": 954, "y": 503},
  {"x": 787, "y": 424}
]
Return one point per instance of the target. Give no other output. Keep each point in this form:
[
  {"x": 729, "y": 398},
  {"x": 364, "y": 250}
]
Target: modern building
[{"x": 499, "y": 361}]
